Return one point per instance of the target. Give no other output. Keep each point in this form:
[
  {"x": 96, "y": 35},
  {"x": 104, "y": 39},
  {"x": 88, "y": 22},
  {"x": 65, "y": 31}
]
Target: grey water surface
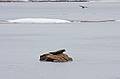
[{"x": 95, "y": 47}]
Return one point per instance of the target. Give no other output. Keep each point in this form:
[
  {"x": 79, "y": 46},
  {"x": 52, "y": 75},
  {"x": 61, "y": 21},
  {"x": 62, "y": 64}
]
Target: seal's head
[{"x": 58, "y": 52}]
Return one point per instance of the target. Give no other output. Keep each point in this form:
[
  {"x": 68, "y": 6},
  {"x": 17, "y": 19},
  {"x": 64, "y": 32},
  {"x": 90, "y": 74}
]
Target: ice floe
[{"x": 37, "y": 20}]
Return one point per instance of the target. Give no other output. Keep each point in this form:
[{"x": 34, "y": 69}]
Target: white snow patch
[{"x": 38, "y": 20}]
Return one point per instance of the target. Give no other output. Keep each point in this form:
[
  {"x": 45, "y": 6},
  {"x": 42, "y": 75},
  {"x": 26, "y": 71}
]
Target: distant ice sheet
[
  {"x": 14, "y": 0},
  {"x": 38, "y": 20},
  {"x": 48, "y": 20}
]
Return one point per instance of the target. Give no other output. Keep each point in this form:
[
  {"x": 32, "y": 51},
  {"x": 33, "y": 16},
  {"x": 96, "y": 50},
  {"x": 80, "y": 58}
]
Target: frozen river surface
[{"x": 95, "y": 47}]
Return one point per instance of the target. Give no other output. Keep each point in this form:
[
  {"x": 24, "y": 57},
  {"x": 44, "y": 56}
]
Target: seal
[
  {"x": 57, "y": 56},
  {"x": 83, "y": 6},
  {"x": 58, "y": 52}
]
